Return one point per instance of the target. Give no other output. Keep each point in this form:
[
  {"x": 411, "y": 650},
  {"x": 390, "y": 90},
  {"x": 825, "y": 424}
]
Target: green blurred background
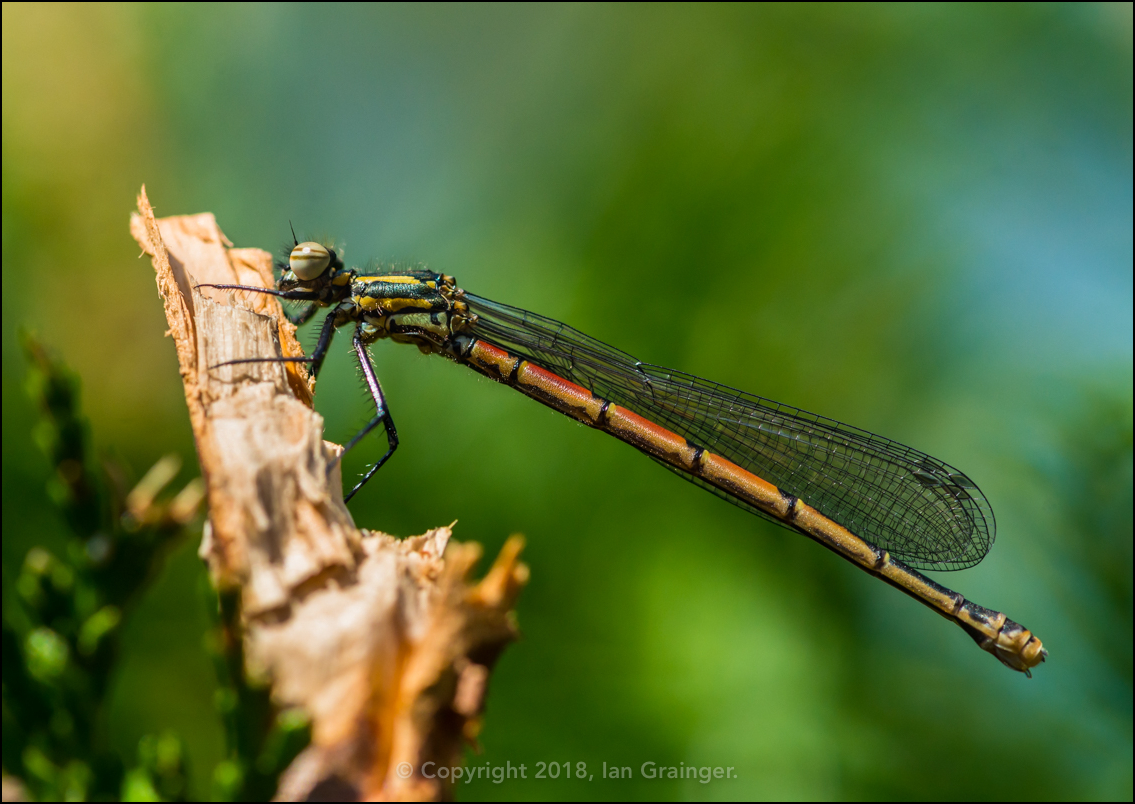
[{"x": 916, "y": 219}]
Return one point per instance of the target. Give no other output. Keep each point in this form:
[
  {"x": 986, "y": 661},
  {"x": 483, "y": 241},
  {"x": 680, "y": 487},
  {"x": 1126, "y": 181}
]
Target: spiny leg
[
  {"x": 293, "y": 295},
  {"x": 382, "y": 415},
  {"x": 315, "y": 358},
  {"x": 303, "y": 315},
  {"x": 324, "y": 342}
]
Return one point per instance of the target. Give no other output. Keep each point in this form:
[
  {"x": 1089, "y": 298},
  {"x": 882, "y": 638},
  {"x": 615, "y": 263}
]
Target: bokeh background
[{"x": 916, "y": 219}]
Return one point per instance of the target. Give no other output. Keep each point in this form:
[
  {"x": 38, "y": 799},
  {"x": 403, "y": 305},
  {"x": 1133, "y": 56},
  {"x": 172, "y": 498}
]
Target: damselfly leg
[
  {"x": 337, "y": 317},
  {"x": 303, "y": 315},
  {"x": 382, "y": 414},
  {"x": 315, "y": 359}
]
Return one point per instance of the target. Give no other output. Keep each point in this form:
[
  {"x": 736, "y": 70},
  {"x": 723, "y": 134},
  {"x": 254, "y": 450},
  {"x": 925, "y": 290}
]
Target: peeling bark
[{"x": 386, "y": 643}]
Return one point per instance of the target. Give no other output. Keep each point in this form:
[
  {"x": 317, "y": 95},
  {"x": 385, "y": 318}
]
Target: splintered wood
[{"x": 386, "y": 643}]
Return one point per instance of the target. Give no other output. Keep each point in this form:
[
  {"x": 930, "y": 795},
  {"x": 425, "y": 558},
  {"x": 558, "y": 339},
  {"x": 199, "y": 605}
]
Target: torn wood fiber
[{"x": 373, "y": 636}]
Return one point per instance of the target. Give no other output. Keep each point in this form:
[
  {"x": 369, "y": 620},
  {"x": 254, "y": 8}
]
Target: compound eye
[{"x": 309, "y": 260}]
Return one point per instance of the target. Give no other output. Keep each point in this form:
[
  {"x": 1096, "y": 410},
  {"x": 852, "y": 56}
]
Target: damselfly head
[{"x": 309, "y": 260}]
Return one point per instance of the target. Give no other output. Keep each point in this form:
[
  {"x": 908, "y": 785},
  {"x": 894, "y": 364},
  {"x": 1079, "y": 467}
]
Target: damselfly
[{"x": 887, "y": 508}]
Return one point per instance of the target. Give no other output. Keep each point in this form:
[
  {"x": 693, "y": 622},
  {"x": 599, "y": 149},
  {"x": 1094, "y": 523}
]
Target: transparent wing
[{"x": 923, "y": 511}]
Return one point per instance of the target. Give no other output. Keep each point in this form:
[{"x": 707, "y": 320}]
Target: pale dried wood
[{"x": 386, "y": 643}]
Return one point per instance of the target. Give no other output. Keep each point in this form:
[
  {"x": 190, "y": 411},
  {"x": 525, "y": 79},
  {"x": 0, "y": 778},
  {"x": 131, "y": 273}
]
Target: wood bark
[{"x": 385, "y": 642}]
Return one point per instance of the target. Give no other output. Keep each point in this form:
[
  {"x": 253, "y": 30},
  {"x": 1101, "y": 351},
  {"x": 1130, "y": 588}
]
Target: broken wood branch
[{"x": 386, "y": 643}]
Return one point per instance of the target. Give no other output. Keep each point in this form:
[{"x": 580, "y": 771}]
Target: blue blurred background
[{"x": 916, "y": 219}]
